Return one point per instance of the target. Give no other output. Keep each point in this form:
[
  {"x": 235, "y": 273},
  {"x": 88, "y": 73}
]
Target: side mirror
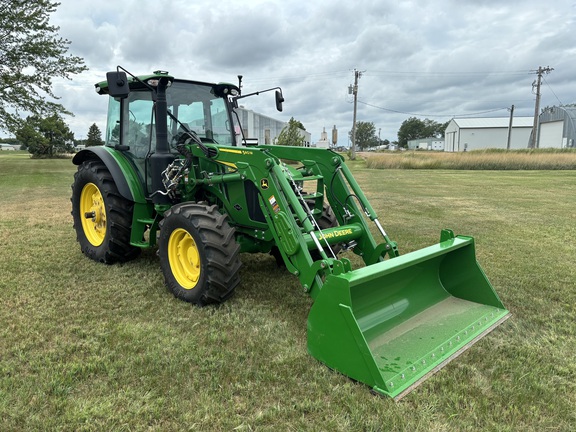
[
  {"x": 117, "y": 84},
  {"x": 279, "y": 100}
]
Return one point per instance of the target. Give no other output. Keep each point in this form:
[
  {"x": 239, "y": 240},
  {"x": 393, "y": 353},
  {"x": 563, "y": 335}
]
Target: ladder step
[
  {"x": 313, "y": 195},
  {"x": 310, "y": 177}
]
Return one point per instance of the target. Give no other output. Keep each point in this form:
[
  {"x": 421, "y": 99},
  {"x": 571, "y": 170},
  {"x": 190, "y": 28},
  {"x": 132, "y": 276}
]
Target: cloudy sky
[{"x": 429, "y": 59}]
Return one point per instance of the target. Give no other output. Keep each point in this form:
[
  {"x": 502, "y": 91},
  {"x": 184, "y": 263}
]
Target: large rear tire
[
  {"x": 199, "y": 254},
  {"x": 102, "y": 217}
]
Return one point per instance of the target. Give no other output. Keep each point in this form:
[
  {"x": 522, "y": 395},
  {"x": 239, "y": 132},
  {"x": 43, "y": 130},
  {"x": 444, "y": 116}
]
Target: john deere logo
[{"x": 264, "y": 183}]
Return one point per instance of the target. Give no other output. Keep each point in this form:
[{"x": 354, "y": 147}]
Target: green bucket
[{"x": 391, "y": 324}]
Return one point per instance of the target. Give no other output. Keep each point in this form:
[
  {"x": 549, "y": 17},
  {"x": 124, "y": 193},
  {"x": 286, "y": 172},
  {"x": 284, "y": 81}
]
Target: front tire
[
  {"x": 199, "y": 254},
  {"x": 102, "y": 217}
]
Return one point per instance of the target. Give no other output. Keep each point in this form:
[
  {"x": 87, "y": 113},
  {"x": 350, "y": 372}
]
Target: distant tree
[
  {"x": 291, "y": 134},
  {"x": 45, "y": 137},
  {"x": 31, "y": 55},
  {"x": 365, "y": 135},
  {"x": 94, "y": 137},
  {"x": 414, "y": 128}
]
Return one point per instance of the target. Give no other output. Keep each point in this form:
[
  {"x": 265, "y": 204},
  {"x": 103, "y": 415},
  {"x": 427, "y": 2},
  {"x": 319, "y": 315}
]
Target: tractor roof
[{"x": 102, "y": 86}]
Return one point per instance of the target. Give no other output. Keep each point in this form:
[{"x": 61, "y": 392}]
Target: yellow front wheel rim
[
  {"x": 93, "y": 214},
  {"x": 184, "y": 258}
]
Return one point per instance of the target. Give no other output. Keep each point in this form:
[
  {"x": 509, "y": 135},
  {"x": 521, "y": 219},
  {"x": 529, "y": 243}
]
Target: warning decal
[{"x": 274, "y": 204}]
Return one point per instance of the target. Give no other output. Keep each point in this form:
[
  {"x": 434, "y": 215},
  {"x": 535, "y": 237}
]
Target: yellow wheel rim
[
  {"x": 184, "y": 258},
  {"x": 93, "y": 214}
]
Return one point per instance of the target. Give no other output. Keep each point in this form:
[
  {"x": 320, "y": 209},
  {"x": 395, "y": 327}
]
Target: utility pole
[
  {"x": 510, "y": 127},
  {"x": 537, "y": 82},
  {"x": 354, "y": 90}
]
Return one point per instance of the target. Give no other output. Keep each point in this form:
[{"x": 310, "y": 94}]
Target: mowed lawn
[{"x": 85, "y": 346}]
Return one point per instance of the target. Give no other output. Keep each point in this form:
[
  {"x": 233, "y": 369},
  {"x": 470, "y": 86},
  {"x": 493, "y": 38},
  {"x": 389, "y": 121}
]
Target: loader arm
[
  {"x": 282, "y": 220},
  {"x": 389, "y": 324}
]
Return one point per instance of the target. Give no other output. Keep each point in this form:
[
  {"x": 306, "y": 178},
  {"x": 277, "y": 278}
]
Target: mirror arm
[{"x": 258, "y": 92}]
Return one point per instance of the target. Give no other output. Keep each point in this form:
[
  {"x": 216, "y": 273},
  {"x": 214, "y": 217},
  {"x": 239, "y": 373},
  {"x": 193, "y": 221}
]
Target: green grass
[{"x": 84, "y": 346}]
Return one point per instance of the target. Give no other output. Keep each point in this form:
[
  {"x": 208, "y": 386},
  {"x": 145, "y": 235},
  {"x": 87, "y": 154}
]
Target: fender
[{"x": 122, "y": 171}]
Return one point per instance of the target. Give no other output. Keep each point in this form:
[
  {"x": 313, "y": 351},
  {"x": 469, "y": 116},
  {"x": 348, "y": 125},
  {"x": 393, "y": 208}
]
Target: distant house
[
  {"x": 465, "y": 134},
  {"x": 431, "y": 143},
  {"x": 8, "y": 147},
  {"x": 557, "y": 127}
]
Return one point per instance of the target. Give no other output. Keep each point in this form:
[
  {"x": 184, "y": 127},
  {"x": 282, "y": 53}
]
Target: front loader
[{"x": 174, "y": 174}]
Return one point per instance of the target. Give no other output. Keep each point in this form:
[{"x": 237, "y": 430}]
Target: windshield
[
  {"x": 200, "y": 110},
  {"x": 192, "y": 104}
]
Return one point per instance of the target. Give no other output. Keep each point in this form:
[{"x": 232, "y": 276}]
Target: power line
[
  {"x": 341, "y": 72},
  {"x": 424, "y": 73},
  {"x": 432, "y": 115},
  {"x": 557, "y": 98}
]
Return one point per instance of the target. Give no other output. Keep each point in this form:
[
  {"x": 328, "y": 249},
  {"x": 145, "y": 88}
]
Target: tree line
[{"x": 366, "y": 137}]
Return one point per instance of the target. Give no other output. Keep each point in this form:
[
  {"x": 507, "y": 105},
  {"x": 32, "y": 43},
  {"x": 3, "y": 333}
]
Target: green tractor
[{"x": 174, "y": 175}]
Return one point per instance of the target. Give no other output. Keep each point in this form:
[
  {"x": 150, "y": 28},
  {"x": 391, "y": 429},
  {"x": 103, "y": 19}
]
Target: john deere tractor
[{"x": 177, "y": 175}]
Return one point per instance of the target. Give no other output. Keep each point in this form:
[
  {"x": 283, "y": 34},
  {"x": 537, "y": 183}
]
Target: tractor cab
[{"x": 132, "y": 123}]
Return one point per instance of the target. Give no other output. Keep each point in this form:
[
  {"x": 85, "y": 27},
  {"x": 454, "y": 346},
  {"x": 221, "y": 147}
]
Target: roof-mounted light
[
  {"x": 153, "y": 82},
  {"x": 230, "y": 91},
  {"x": 225, "y": 90}
]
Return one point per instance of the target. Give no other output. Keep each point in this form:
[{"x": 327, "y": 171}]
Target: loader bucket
[{"x": 393, "y": 323}]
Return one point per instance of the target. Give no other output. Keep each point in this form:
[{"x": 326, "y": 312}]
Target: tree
[
  {"x": 365, "y": 135},
  {"x": 45, "y": 137},
  {"x": 94, "y": 136},
  {"x": 32, "y": 55},
  {"x": 414, "y": 128},
  {"x": 291, "y": 134}
]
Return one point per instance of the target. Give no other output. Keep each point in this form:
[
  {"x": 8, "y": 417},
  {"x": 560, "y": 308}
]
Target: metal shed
[
  {"x": 557, "y": 127},
  {"x": 465, "y": 134}
]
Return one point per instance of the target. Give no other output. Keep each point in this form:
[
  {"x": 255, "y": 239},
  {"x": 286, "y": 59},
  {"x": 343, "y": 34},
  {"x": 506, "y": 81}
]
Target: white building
[
  {"x": 557, "y": 128},
  {"x": 263, "y": 129},
  {"x": 465, "y": 134},
  {"x": 323, "y": 143},
  {"x": 432, "y": 143}
]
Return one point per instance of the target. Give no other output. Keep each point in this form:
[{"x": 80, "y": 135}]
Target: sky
[{"x": 435, "y": 59}]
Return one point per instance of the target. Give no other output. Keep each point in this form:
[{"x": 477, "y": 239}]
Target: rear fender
[{"x": 125, "y": 176}]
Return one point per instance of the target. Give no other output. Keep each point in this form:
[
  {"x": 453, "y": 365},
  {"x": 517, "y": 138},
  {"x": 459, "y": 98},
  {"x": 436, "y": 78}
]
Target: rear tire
[
  {"x": 199, "y": 254},
  {"x": 104, "y": 237}
]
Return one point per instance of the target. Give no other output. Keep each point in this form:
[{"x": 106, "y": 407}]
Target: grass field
[
  {"x": 89, "y": 347},
  {"x": 490, "y": 159}
]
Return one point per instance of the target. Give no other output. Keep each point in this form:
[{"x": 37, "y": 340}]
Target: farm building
[
  {"x": 323, "y": 142},
  {"x": 261, "y": 129},
  {"x": 465, "y": 134},
  {"x": 557, "y": 128},
  {"x": 432, "y": 143}
]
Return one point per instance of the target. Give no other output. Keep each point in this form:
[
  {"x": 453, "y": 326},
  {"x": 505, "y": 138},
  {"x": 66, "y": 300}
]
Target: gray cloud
[{"x": 439, "y": 58}]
